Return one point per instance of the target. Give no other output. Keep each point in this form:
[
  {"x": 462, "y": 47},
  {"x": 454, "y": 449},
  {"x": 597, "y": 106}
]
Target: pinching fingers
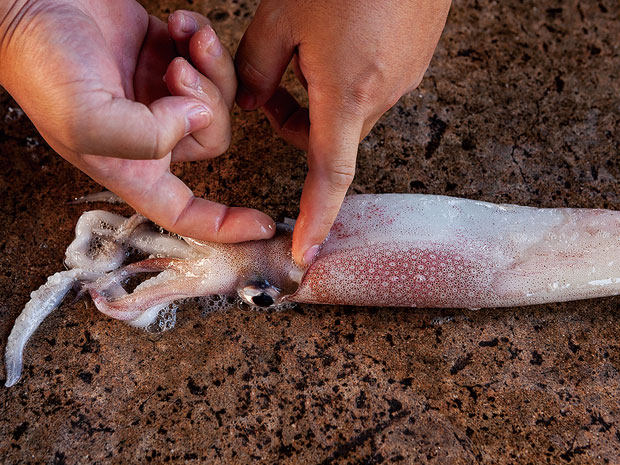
[
  {"x": 182, "y": 25},
  {"x": 197, "y": 42},
  {"x": 184, "y": 80},
  {"x": 213, "y": 60}
]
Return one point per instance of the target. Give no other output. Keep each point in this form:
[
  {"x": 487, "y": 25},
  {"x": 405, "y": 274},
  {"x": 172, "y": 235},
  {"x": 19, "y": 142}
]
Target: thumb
[
  {"x": 136, "y": 131},
  {"x": 332, "y": 151},
  {"x": 265, "y": 51}
]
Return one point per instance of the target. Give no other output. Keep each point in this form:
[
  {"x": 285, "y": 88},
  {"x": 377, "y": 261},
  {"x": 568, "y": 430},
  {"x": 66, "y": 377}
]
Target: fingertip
[
  {"x": 198, "y": 116},
  {"x": 245, "y": 224},
  {"x": 181, "y": 25},
  {"x": 206, "y": 40},
  {"x": 306, "y": 241},
  {"x": 174, "y": 71},
  {"x": 245, "y": 98},
  {"x": 213, "y": 61},
  {"x": 310, "y": 254}
]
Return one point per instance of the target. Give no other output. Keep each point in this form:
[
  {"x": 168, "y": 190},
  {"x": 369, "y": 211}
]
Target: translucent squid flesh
[{"x": 402, "y": 250}]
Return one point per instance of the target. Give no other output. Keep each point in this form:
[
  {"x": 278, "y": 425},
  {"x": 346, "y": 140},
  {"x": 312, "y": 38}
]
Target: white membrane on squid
[
  {"x": 148, "y": 316},
  {"x": 159, "y": 245},
  {"x": 94, "y": 247},
  {"x": 42, "y": 302}
]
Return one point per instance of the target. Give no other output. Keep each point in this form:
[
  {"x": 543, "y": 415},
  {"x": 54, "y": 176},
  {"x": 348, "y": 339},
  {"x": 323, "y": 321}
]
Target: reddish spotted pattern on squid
[{"x": 405, "y": 276}]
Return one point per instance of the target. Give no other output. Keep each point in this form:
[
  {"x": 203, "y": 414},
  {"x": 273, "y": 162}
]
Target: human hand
[
  {"x": 89, "y": 75},
  {"x": 356, "y": 59}
]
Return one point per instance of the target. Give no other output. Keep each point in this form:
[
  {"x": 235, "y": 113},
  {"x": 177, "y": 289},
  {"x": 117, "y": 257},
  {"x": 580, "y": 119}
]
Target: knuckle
[
  {"x": 201, "y": 149},
  {"x": 153, "y": 148},
  {"x": 368, "y": 84},
  {"x": 340, "y": 177},
  {"x": 248, "y": 73}
]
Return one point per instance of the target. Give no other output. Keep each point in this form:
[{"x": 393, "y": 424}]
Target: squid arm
[
  {"x": 42, "y": 302},
  {"x": 177, "y": 280}
]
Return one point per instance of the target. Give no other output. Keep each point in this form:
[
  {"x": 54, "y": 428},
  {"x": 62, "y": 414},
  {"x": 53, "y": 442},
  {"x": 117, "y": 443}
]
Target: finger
[
  {"x": 189, "y": 149},
  {"x": 171, "y": 204},
  {"x": 334, "y": 137},
  {"x": 197, "y": 41},
  {"x": 156, "y": 53},
  {"x": 290, "y": 120},
  {"x": 182, "y": 25},
  {"x": 299, "y": 74},
  {"x": 212, "y": 59},
  {"x": 134, "y": 130},
  {"x": 183, "y": 80},
  {"x": 368, "y": 125},
  {"x": 150, "y": 188},
  {"x": 262, "y": 57}
]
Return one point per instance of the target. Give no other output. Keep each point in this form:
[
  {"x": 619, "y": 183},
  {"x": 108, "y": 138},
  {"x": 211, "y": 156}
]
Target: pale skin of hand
[
  {"x": 356, "y": 59},
  {"x": 90, "y": 76}
]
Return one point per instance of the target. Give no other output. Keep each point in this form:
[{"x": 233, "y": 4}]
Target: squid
[{"x": 404, "y": 250}]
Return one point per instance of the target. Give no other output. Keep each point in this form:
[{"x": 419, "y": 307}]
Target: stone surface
[{"x": 522, "y": 105}]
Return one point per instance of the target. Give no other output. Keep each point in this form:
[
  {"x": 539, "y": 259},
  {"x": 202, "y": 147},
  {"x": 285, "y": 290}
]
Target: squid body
[{"x": 403, "y": 250}]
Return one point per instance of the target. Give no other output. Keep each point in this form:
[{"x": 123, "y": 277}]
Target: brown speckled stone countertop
[{"x": 521, "y": 105}]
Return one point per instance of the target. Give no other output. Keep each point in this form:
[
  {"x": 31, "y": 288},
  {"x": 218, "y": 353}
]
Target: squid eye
[
  {"x": 263, "y": 300},
  {"x": 259, "y": 293}
]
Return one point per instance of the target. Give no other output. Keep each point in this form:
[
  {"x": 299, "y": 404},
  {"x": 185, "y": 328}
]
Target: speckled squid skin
[{"x": 435, "y": 251}]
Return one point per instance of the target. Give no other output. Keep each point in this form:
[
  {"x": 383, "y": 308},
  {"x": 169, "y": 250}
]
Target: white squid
[{"x": 384, "y": 250}]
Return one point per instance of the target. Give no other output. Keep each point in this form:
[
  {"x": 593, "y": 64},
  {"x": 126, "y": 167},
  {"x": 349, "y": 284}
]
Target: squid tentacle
[
  {"x": 177, "y": 280},
  {"x": 149, "y": 265},
  {"x": 89, "y": 269},
  {"x": 42, "y": 302},
  {"x": 160, "y": 290}
]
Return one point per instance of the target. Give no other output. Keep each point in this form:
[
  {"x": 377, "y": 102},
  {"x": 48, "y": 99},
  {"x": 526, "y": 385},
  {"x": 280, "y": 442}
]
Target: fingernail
[
  {"x": 197, "y": 116},
  {"x": 214, "y": 46},
  {"x": 188, "y": 23},
  {"x": 310, "y": 255},
  {"x": 189, "y": 77},
  {"x": 245, "y": 99}
]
